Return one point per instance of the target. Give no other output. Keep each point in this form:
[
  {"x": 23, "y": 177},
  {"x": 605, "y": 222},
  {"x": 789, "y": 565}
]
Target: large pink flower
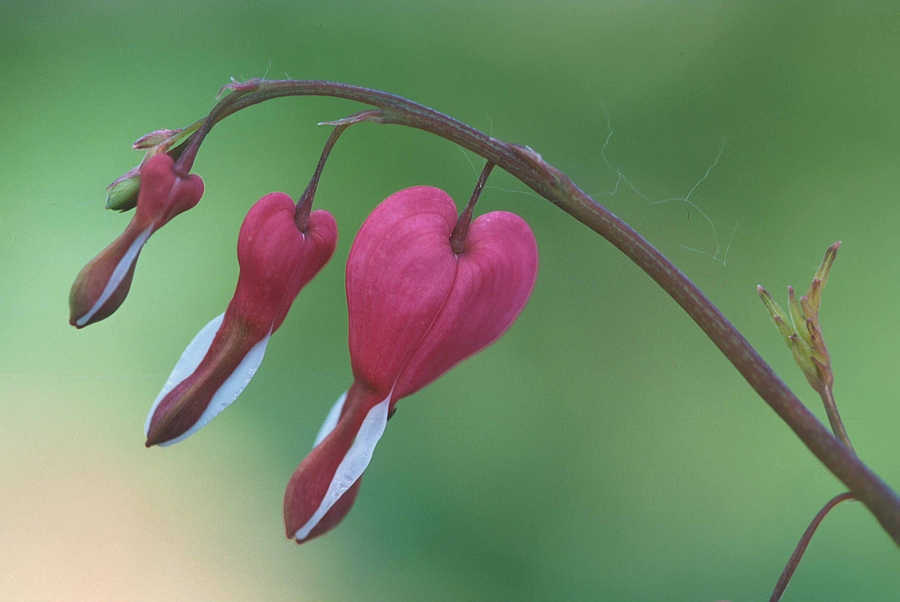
[
  {"x": 276, "y": 261},
  {"x": 102, "y": 285},
  {"x": 416, "y": 310}
]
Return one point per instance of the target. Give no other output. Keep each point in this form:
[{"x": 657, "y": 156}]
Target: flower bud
[
  {"x": 801, "y": 329},
  {"x": 102, "y": 285},
  {"x": 122, "y": 195},
  {"x": 416, "y": 309},
  {"x": 276, "y": 261}
]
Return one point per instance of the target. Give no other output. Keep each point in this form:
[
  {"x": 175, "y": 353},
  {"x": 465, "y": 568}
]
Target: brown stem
[
  {"x": 458, "y": 236},
  {"x": 529, "y": 167},
  {"x": 795, "y": 558}
]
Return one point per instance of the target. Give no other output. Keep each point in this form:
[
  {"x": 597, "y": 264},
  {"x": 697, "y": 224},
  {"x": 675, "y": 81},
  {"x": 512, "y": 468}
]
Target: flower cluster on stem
[{"x": 166, "y": 190}]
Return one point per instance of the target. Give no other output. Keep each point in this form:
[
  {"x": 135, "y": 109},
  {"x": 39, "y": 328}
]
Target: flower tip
[
  {"x": 77, "y": 320},
  {"x": 294, "y": 528},
  {"x": 324, "y": 487},
  {"x": 158, "y": 432},
  {"x": 102, "y": 285},
  {"x": 161, "y": 435}
]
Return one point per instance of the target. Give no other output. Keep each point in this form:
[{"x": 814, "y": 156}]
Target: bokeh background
[{"x": 604, "y": 449}]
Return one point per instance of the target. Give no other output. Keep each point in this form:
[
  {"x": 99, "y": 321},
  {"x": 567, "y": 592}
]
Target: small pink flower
[
  {"x": 276, "y": 261},
  {"x": 102, "y": 285},
  {"x": 416, "y": 310}
]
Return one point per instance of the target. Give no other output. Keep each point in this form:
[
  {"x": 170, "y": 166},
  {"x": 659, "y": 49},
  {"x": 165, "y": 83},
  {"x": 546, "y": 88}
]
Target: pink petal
[
  {"x": 399, "y": 274},
  {"x": 102, "y": 285},
  {"x": 495, "y": 276},
  {"x": 164, "y": 194},
  {"x": 277, "y": 260}
]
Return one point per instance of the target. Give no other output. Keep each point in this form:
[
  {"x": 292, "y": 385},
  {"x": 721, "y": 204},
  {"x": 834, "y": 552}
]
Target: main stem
[{"x": 529, "y": 167}]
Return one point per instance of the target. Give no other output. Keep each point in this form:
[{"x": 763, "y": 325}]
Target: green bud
[
  {"x": 827, "y": 262},
  {"x": 797, "y": 315},
  {"x": 812, "y": 298},
  {"x": 803, "y": 332},
  {"x": 165, "y": 139},
  {"x": 803, "y": 356},
  {"x": 778, "y": 316},
  {"x": 786, "y": 330},
  {"x": 122, "y": 195}
]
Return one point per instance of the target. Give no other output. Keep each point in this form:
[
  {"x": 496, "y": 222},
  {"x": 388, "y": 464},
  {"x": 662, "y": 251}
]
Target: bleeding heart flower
[
  {"x": 102, "y": 285},
  {"x": 276, "y": 261},
  {"x": 416, "y": 310}
]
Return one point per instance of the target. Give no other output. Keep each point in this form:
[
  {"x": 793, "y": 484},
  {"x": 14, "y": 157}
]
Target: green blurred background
[{"x": 604, "y": 449}]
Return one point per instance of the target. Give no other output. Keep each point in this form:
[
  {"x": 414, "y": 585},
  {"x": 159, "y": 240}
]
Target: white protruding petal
[
  {"x": 117, "y": 276},
  {"x": 191, "y": 357},
  {"x": 230, "y": 390},
  {"x": 226, "y": 393},
  {"x": 353, "y": 465},
  {"x": 332, "y": 419}
]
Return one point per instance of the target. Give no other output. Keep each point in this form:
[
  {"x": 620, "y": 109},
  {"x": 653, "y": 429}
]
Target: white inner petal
[
  {"x": 191, "y": 357},
  {"x": 230, "y": 389},
  {"x": 226, "y": 393},
  {"x": 331, "y": 421},
  {"x": 353, "y": 465},
  {"x": 117, "y": 276}
]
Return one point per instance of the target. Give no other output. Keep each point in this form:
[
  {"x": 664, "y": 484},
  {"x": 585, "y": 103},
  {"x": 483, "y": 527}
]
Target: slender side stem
[
  {"x": 529, "y": 167},
  {"x": 458, "y": 236},
  {"x": 834, "y": 417},
  {"x": 795, "y": 558},
  {"x": 304, "y": 203}
]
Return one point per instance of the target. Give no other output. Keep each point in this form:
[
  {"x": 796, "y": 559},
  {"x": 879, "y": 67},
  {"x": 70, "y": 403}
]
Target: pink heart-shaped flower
[
  {"x": 277, "y": 260},
  {"x": 416, "y": 310}
]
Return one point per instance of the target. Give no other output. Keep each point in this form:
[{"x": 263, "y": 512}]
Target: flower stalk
[
  {"x": 458, "y": 236},
  {"x": 304, "y": 203}
]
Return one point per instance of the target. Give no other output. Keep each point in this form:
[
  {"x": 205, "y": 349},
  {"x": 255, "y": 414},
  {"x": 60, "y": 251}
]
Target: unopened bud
[{"x": 122, "y": 195}]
